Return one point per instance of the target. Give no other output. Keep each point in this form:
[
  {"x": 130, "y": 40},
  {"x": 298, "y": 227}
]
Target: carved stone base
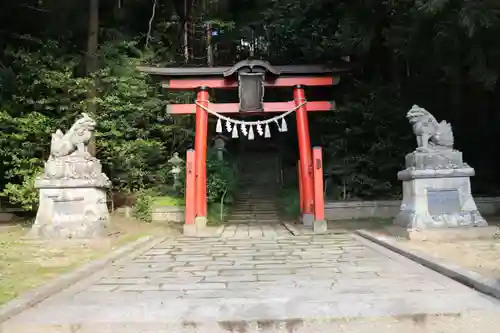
[
  {"x": 447, "y": 159},
  {"x": 438, "y": 198},
  {"x": 73, "y": 170},
  {"x": 71, "y": 212}
]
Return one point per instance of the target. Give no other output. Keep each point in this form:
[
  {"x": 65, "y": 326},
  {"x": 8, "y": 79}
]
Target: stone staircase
[{"x": 257, "y": 198}]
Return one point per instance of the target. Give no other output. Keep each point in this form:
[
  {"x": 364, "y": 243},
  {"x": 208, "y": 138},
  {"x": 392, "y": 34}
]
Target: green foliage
[
  {"x": 168, "y": 201},
  {"x": 143, "y": 207},
  {"x": 24, "y": 194},
  {"x": 133, "y": 125},
  {"x": 290, "y": 202},
  {"x": 41, "y": 92},
  {"x": 221, "y": 179},
  {"x": 364, "y": 144},
  {"x": 148, "y": 199},
  {"x": 214, "y": 213}
]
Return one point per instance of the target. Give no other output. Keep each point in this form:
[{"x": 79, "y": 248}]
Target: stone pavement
[
  {"x": 330, "y": 283},
  {"x": 255, "y": 230}
]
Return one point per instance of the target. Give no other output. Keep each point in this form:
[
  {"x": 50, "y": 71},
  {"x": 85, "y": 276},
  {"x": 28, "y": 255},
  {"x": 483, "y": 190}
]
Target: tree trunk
[
  {"x": 210, "y": 51},
  {"x": 185, "y": 32},
  {"x": 91, "y": 61},
  {"x": 92, "y": 41}
]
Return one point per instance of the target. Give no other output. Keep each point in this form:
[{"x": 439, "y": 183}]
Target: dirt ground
[
  {"x": 26, "y": 264},
  {"x": 481, "y": 256}
]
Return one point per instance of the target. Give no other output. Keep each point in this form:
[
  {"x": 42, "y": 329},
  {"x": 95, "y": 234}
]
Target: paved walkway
[
  {"x": 255, "y": 230},
  {"x": 331, "y": 283}
]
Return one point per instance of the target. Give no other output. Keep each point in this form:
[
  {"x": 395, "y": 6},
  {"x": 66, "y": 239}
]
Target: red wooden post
[
  {"x": 190, "y": 190},
  {"x": 200, "y": 149},
  {"x": 305, "y": 154},
  {"x": 319, "y": 200},
  {"x": 301, "y": 194}
]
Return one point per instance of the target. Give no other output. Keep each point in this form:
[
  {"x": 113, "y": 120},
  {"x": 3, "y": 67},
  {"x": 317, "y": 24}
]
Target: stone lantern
[
  {"x": 176, "y": 163},
  {"x": 220, "y": 146}
]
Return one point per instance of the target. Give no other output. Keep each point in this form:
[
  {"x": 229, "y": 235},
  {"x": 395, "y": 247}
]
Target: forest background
[{"x": 63, "y": 57}]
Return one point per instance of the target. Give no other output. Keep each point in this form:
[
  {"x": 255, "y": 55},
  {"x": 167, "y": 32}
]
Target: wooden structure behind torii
[{"x": 252, "y": 77}]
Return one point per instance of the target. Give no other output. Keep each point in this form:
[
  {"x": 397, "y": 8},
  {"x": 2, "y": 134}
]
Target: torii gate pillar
[
  {"x": 200, "y": 150},
  {"x": 306, "y": 178}
]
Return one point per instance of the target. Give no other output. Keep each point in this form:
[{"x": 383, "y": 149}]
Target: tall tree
[
  {"x": 91, "y": 63},
  {"x": 184, "y": 9}
]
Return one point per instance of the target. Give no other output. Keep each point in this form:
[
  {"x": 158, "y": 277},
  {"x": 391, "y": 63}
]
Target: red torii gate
[{"x": 251, "y": 77}]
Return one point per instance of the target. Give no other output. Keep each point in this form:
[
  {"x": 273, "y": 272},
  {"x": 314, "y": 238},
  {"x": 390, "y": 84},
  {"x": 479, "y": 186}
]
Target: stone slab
[
  {"x": 469, "y": 278},
  {"x": 484, "y": 323},
  {"x": 201, "y": 230},
  {"x": 168, "y": 214},
  {"x": 334, "y": 277}
]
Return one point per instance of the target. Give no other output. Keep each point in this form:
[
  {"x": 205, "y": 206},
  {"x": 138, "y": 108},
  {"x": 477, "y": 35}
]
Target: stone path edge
[
  {"x": 294, "y": 231},
  {"x": 466, "y": 277},
  {"x": 39, "y": 294},
  {"x": 297, "y": 232}
]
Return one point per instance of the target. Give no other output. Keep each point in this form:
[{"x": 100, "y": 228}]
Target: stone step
[
  {"x": 241, "y": 221},
  {"x": 262, "y": 204},
  {"x": 253, "y": 217},
  {"x": 260, "y": 174},
  {"x": 266, "y": 186},
  {"x": 264, "y": 193},
  {"x": 253, "y": 210},
  {"x": 256, "y": 197},
  {"x": 266, "y": 217},
  {"x": 261, "y": 189},
  {"x": 270, "y": 205},
  {"x": 255, "y": 214},
  {"x": 301, "y": 317},
  {"x": 258, "y": 202}
]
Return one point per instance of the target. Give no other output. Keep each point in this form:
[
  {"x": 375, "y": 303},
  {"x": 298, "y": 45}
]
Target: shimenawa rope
[{"x": 233, "y": 124}]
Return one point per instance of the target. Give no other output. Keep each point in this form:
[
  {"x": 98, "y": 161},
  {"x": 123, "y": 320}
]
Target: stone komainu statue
[
  {"x": 73, "y": 198},
  {"x": 431, "y": 135},
  {"x": 75, "y": 140}
]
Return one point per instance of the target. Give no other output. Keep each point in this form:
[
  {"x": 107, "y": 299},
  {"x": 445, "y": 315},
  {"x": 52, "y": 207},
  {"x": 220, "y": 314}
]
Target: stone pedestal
[
  {"x": 72, "y": 199},
  {"x": 437, "y": 193}
]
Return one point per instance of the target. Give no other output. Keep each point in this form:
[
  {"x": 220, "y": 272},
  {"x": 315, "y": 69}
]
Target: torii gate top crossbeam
[
  {"x": 287, "y": 70},
  {"x": 251, "y": 77}
]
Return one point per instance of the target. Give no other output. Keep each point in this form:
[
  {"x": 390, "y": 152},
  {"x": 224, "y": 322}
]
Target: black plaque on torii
[{"x": 251, "y": 76}]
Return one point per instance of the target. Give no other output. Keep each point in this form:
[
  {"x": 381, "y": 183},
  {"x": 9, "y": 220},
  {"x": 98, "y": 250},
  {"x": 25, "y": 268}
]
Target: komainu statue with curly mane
[
  {"x": 431, "y": 135},
  {"x": 73, "y": 197},
  {"x": 75, "y": 140},
  {"x": 436, "y": 182}
]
